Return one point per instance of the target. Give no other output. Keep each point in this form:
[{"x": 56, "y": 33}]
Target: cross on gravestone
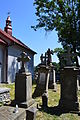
[
  {"x": 23, "y": 58},
  {"x": 43, "y": 58},
  {"x": 49, "y": 52},
  {"x": 67, "y": 56}
]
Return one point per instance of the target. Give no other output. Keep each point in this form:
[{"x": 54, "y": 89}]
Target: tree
[
  {"x": 59, "y": 52},
  {"x": 64, "y": 17}
]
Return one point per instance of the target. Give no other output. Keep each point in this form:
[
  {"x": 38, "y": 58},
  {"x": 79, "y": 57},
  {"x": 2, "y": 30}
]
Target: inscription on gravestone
[{"x": 42, "y": 78}]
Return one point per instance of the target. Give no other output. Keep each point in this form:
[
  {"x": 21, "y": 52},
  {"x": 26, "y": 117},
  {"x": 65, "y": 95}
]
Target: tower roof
[{"x": 8, "y": 27}]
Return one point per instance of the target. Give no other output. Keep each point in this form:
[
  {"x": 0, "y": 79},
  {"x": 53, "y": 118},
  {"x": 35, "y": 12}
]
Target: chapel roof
[
  {"x": 2, "y": 42},
  {"x": 14, "y": 40}
]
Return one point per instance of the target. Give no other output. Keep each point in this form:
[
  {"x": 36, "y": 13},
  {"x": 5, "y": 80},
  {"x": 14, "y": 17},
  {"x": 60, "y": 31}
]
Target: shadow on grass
[{"x": 56, "y": 110}]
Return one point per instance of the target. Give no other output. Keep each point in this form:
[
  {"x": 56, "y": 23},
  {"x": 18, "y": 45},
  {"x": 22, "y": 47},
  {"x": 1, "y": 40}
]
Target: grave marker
[{"x": 23, "y": 84}]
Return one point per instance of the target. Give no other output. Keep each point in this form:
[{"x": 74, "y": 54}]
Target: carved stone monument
[
  {"x": 68, "y": 77},
  {"x": 23, "y": 83},
  {"x": 49, "y": 52},
  {"x": 42, "y": 81},
  {"x": 45, "y": 69}
]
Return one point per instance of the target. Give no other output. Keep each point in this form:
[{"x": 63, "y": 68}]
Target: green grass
[{"x": 53, "y": 100}]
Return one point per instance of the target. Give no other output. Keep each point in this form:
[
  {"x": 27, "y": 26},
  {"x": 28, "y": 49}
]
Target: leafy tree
[
  {"x": 59, "y": 52},
  {"x": 64, "y": 17}
]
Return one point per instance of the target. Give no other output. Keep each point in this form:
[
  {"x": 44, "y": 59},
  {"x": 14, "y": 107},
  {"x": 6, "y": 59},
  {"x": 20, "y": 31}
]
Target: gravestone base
[
  {"x": 31, "y": 113},
  {"x": 7, "y": 113},
  {"x": 45, "y": 100},
  {"x": 23, "y": 104},
  {"x": 69, "y": 100},
  {"x": 69, "y": 105},
  {"x": 23, "y": 89}
]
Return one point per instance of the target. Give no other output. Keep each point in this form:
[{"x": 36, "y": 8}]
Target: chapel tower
[{"x": 8, "y": 27}]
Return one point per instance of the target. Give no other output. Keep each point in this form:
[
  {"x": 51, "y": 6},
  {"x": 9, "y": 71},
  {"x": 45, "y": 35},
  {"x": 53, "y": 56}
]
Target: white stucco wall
[{"x": 13, "y": 65}]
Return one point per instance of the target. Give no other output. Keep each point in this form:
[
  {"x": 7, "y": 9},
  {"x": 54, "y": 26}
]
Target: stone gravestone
[
  {"x": 23, "y": 84},
  {"x": 4, "y": 95},
  {"x": 42, "y": 81},
  {"x": 45, "y": 74},
  {"x": 68, "y": 76}
]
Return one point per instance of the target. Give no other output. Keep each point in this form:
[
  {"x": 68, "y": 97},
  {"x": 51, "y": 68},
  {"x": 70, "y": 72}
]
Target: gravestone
[
  {"x": 46, "y": 74},
  {"x": 43, "y": 79},
  {"x": 4, "y": 95},
  {"x": 23, "y": 84},
  {"x": 68, "y": 78}
]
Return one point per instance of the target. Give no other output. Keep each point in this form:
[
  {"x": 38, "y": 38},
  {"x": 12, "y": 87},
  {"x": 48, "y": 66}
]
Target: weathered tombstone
[
  {"x": 23, "y": 84},
  {"x": 68, "y": 77},
  {"x": 46, "y": 73},
  {"x": 4, "y": 95},
  {"x": 43, "y": 79}
]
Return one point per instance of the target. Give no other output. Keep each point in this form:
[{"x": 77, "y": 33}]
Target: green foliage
[
  {"x": 58, "y": 52},
  {"x": 63, "y": 16}
]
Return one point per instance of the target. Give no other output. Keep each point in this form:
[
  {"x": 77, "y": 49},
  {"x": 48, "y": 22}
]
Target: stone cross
[
  {"x": 23, "y": 59},
  {"x": 44, "y": 58},
  {"x": 49, "y": 52},
  {"x": 67, "y": 56},
  {"x": 41, "y": 58}
]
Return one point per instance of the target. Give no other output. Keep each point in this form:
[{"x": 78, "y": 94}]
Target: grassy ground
[{"x": 53, "y": 100}]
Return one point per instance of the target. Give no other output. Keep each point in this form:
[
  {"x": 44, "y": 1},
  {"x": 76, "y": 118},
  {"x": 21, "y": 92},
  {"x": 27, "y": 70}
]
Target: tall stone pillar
[
  {"x": 68, "y": 99},
  {"x": 23, "y": 84}
]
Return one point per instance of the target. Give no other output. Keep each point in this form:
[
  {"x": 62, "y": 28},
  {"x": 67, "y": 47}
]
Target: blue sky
[{"x": 22, "y": 13}]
